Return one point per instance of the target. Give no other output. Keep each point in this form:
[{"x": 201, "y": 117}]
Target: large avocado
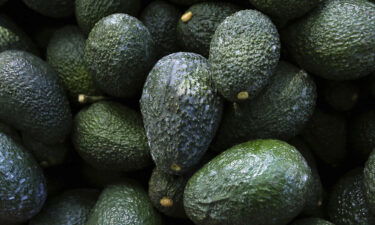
[
  {"x": 52, "y": 8},
  {"x": 181, "y": 111},
  {"x": 32, "y": 98},
  {"x": 244, "y": 52},
  {"x": 369, "y": 181}
]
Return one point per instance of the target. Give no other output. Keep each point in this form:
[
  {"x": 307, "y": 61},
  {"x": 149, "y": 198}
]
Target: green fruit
[
  {"x": 244, "y": 52},
  {"x": 362, "y": 133},
  {"x": 52, "y": 8},
  {"x": 181, "y": 111},
  {"x": 110, "y": 136},
  {"x": 22, "y": 184},
  {"x": 258, "y": 182},
  {"x": 336, "y": 40},
  {"x": 341, "y": 96},
  {"x": 33, "y": 100},
  {"x": 119, "y": 53},
  {"x": 312, "y": 221},
  {"x": 369, "y": 181}
]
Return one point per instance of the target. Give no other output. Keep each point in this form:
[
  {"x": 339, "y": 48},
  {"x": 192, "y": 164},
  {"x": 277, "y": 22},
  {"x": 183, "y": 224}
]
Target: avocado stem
[
  {"x": 166, "y": 202},
  {"x": 186, "y": 17},
  {"x": 243, "y": 95},
  {"x": 89, "y": 99},
  {"x": 175, "y": 167}
]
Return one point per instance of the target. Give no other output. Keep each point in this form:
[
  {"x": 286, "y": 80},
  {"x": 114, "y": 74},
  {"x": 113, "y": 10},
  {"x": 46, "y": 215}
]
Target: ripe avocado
[
  {"x": 336, "y": 40},
  {"x": 262, "y": 181},
  {"x": 110, "y": 136},
  {"x": 341, "y": 95},
  {"x": 311, "y": 221},
  {"x": 369, "y": 181},
  {"x": 244, "y": 53},
  {"x": 52, "y": 8},
  {"x": 125, "y": 204},
  {"x": 89, "y": 12},
  {"x": 33, "y": 99},
  {"x": 362, "y": 133},
  {"x": 195, "y": 32},
  {"x": 181, "y": 111},
  {"x": 119, "y": 53},
  {"x": 22, "y": 184},
  {"x": 69, "y": 208}
]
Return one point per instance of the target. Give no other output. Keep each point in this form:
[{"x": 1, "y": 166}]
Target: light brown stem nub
[
  {"x": 243, "y": 95},
  {"x": 166, "y": 202},
  {"x": 89, "y": 99},
  {"x": 175, "y": 167},
  {"x": 186, "y": 17}
]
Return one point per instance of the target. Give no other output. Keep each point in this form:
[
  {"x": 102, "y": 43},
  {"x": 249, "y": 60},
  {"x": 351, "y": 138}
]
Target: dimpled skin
[
  {"x": 89, "y": 12},
  {"x": 110, "y": 136},
  {"x": 362, "y": 133},
  {"x": 347, "y": 204},
  {"x": 125, "y": 204},
  {"x": 244, "y": 52},
  {"x": 119, "y": 53},
  {"x": 65, "y": 53},
  {"x": 162, "y": 14},
  {"x": 195, "y": 35},
  {"x": 369, "y": 181},
  {"x": 261, "y": 182},
  {"x": 32, "y": 98},
  {"x": 69, "y": 208},
  {"x": 52, "y": 8},
  {"x": 280, "y": 111},
  {"x": 336, "y": 40},
  {"x": 181, "y": 111},
  {"x": 312, "y": 221},
  {"x": 22, "y": 190}
]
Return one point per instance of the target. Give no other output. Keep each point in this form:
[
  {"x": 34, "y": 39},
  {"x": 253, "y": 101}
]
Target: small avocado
[
  {"x": 52, "y": 8},
  {"x": 341, "y": 95},
  {"x": 369, "y": 181},
  {"x": 312, "y": 221}
]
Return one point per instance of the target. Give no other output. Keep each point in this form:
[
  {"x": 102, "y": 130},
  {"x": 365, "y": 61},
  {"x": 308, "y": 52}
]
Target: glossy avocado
[
  {"x": 369, "y": 181},
  {"x": 52, "y": 8},
  {"x": 312, "y": 221},
  {"x": 362, "y": 133}
]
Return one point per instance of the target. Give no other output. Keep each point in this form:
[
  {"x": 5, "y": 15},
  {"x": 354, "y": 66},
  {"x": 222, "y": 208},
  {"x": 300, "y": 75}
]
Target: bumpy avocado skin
[
  {"x": 347, "y": 204},
  {"x": 65, "y": 53},
  {"x": 69, "y": 208},
  {"x": 244, "y": 53},
  {"x": 335, "y": 41},
  {"x": 262, "y": 181},
  {"x": 280, "y": 111},
  {"x": 89, "y": 12},
  {"x": 161, "y": 14},
  {"x": 125, "y": 204},
  {"x": 369, "y": 180},
  {"x": 52, "y": 8},
  {"x": 181, "y": 111},
  {"x": 33, "y": 99},
  {"x": 110, "y": 136},
  {"x": 23, "y": 189},
  {"x": 195, "y": 35},
  {"x": 119, "y": 53},
  {"x": 362, "y": 133},
  {"x": 341, "y": 95},
  {"x": 312, "y": 221}
]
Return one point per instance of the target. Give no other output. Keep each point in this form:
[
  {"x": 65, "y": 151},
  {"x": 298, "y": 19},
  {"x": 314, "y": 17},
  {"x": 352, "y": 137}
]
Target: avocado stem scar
[
  {"x": 166, "y": 202},
  {"x": 186, "y": 17},
  {"x": 243, "y": 95},
  {"x": 175, "y": 167}
]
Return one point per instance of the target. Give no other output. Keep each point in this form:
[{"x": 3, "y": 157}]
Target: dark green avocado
[
  {"x": 32, "y": 98},
  {"x": 181, "y": 111},
  {"x": 261, "y": 182},
  {"x": 362, "y": 133},
  {"x": 125, "y": 204},
  {"x": 341, "y": 95},
  {"x": 119, "y": 53},
  {"x": 199, "y": 22},
  {"x": 336, "y": 40},
  {"x": 369, "y": 181},
  {"x": 312, "y": 221},
  {"x": 22, "y": 184},
  {"x": 52, "y": 8},
  {"x": 244, "y": 53},
  {"x": 69, "y": 208}
]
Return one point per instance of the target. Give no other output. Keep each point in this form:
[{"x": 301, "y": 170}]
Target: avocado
[
  {"x": 347, "y": 204},
  {"x": 100, "y": 178},
  {"x": 181, "y": 111},
  {"x": 119, "y": 53},
  {"x": 369, "y": 181},
  {"x": 52, "y": 8},
  {"x": 262, "y": 181},
  {"x": 161, "y": 14},
  {"x": 312, "y": 221},
  {"x": 199, "y": 22},
  {"x": 244, "y": 52},
  {"x": 280, "y": 111},
  {"x": 69, "y": 208},
  {"x": 110, "y": 136},
  {"x": 341, "y": 95},
  {"x": 89, "y": 12},
  {"x": 336, "y": 40},
  {"x": 126, "y": 204},
  {"x": 186, "y": 2},
  {"x": 33, "y": 99},
  {"x": 65, "y": 53},
  {"x": 22, "y": 190}
]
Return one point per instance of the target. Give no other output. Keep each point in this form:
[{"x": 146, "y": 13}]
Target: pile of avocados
[{"x": 187, "y": 112}]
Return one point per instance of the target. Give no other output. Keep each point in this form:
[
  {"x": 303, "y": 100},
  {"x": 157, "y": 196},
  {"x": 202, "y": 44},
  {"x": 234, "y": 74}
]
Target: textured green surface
[
  {"x": 181, "y": 111},
  {"x": 125, "y": 204},
  {"x": 119, "y": 53},
  {"x": 65, "y": 53},
  {"x": 161, "y": 14},
  {"x": 195, "y": 35},
  {"x": 33, "y": 100},
  {"x": 280, "y": 111},
  {"x": 341, "y": 96},
  {"x": 244, "y": 52},
  {"x": 89, "y": 12},
  {"x": 347, "y": 204},
  {"x": 336, "y": 40},
  {"x": 362, "y": 133},
  {"x": 111, "y": 136},
  {"x": 69, "y": 208},
  {"x": 312, "y": 221},
  {"x": 52, "y": 8},
  {"x": 22, "y": 189},
  {"x": 261, "y": 181},
  {"x": 369, "y": 181}
]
